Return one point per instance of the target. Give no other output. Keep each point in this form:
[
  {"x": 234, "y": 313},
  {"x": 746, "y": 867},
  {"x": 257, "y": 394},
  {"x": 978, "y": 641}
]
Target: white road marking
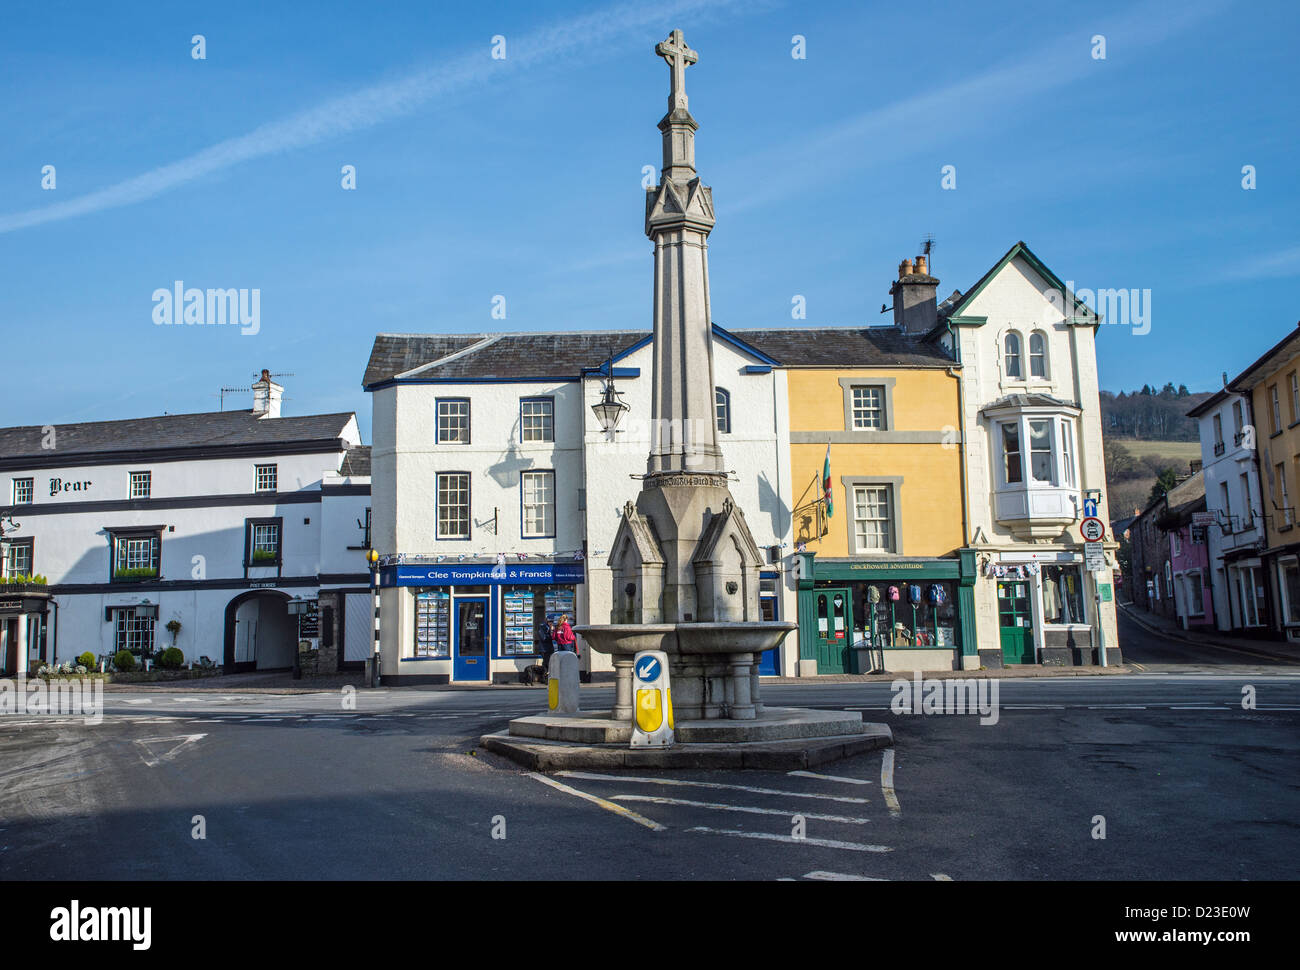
[
  {"x": 721, "y": 807},
  {"x": 940, "y": 877},
  {"x": 1116, "y": 707},
  {"x": 770, "y": 837},
  {"x": 147, "y": 700},
  {"x": 636, "y": 779},
  {"x": 887, "y": 783},
  {"x": 813, "y": 774},
  {"x": 596, "y": 800},
  {"x": 153, "y": 760},
  {"x": 1033, "y": 707},
  {"x": 1190, "y": 708},
  {"x": 839, "y": 877}
]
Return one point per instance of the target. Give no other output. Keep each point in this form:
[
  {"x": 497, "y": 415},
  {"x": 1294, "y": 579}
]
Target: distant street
[{"x": 1190, "y": 784}]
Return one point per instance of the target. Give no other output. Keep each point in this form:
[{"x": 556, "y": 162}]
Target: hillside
[{"x": 1148, "y": 414}]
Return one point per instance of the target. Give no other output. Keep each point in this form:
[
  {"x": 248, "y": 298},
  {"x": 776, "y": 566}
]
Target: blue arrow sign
[
  {"x": 1090, "y": 508},
  {"x": 648, "y": 669}
]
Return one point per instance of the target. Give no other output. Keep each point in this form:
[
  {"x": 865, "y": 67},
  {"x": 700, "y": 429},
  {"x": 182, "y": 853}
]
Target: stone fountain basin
[{"x": 628, "y": 639}]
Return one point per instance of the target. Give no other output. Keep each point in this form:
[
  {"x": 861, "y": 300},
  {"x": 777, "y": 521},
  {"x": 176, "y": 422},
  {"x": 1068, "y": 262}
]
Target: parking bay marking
[
  {"x": 722, "y": 807},
  {"x": 791, "y": 840},
  {"x": 603, "y": 803},
  {"x": 632, "y": 779}
]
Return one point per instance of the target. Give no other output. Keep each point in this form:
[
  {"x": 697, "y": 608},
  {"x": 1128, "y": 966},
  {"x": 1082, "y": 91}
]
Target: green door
[
  {"x": 1016, "y": 620},
  {"x": 834, "y": 614}
]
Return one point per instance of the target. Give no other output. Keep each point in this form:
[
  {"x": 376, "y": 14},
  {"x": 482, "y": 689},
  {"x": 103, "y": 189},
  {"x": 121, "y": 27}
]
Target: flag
[{"x": 826, "y": 483}]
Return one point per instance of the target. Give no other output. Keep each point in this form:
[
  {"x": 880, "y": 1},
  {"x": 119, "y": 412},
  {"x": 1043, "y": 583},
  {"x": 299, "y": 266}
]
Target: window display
[
  {"x": 432, "y": 624},
  {"x": 1063, "y": 594}
]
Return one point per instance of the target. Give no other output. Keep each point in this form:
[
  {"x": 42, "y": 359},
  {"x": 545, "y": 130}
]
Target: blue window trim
[
  {"x": 469, "y": 504},
  {"x": 555, "y": 518},
  {"x": 726, "y": 400},
  {"x": 540, "y": 397},
  {"x": 469, "y": 413}
]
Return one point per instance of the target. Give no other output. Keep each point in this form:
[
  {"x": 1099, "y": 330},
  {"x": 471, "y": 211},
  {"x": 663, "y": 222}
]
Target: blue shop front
[{"x": 470, "y": 622}]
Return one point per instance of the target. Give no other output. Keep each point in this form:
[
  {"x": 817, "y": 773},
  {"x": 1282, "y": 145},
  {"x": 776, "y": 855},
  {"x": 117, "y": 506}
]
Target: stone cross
[{"x": 679, "y": 56}]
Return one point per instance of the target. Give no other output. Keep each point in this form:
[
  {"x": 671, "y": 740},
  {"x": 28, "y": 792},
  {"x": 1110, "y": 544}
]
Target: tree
[
  {"x": 1166, "y": 480},
  {"x": 1120, "y": 463}
]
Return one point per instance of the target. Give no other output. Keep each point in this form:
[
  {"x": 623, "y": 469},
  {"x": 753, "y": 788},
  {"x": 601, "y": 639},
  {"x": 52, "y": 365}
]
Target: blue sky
[{"x": 522, "y": 177}]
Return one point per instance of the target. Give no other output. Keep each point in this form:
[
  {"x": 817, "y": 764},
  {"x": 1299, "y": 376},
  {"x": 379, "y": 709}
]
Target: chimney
[
  {"x": 916, "y": 310},
  {"x": 266, "y": 396}
]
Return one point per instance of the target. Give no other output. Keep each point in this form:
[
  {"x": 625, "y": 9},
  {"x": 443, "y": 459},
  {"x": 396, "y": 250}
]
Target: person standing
[
  {"x": 546, "y": 638},
  {"x": 565, "y": 639}
]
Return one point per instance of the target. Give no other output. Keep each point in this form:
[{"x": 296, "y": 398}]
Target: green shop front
[{"x": 885, "y": 615}]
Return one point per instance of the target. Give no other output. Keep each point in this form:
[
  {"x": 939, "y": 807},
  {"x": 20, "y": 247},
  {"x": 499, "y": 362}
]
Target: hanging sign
[{"x": 1092, "y": 529}]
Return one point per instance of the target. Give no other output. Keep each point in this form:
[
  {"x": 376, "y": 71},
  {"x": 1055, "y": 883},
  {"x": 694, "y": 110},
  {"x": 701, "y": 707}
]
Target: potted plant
[{"x": 174, "y": 628}]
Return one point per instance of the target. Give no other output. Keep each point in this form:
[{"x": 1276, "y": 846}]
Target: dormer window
[{"x": 1011, "y": 351}]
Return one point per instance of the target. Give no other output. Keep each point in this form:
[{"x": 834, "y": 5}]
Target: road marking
[
  {"x": 592, "y": 776},
  {"x": 1172, "y": 708},
  {"x": 153, "y": 760},
  {"x": 940, "y": 877},
  {"x": 596, "y": 800},
  {"x": 721, "y": 807},
  {"x": 887, "y": 783},
  {"x": 1116, "y": 707},
  {"x": 813, "y": 774},
  {"x": 1033, "y": 707},
  {"x": 840, "y": 877},
  {"x": 145, "y": 701},
  {"x": 768, "y": 836}
]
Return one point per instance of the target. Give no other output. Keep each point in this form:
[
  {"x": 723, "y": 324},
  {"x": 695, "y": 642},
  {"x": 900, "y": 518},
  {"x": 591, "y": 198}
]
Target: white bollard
[
  {"x": 652, "y": 701},
  {"x": 562, "y": 687}
]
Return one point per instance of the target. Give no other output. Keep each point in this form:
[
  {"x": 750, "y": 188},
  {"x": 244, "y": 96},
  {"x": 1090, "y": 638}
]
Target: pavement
[{"x": 1211, "y": 642}]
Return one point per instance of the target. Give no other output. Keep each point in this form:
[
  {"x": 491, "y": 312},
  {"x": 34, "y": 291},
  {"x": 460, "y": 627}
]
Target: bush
[
  {"x": 171, "y": 659},
  {"x": 124, "y": 660},
  {"x": 87, "y": 660}
]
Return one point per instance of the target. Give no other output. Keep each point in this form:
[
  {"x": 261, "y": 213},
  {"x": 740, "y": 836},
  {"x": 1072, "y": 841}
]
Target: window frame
[
  {"x": 1041, "y": 337},
  {"x": 722, "y": 410},
  {"x": 1008, "y": 356},
  {"x": 894, "y": 487},
  {"x": 120, "y": 627},
  {"x": 250, "y": 546},
  {"x": 258, "y": 488},
  {"x": 548, "y": 419},
  {"x": 1295, "y": 396},
  {"x": 24, "y": 542},
  {"x": 131, "y": 484},
  {"x": 524, "y": 505},
  {"x": 437, "y": 507},
  {"x": 31, "y": 491},
  {"x": 117, "y": 536},
  {"x": 885, "y": 385},
  {"x": 438, "y": 416},
  {"x": 1275, "y": 408}
]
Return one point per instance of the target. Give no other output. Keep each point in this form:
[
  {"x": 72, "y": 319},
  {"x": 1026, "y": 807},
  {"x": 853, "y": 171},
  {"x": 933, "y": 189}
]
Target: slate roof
[
  {"x": 215, "y": 429},
  {"x": 356, "y": 461},
  {"x": 563, "y": 356},
  {"x": 1028, "y": 401}
]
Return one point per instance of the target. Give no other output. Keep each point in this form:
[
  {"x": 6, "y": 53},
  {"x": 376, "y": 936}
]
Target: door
[
  {"x": 769, "y": 662},
  {"x": 246, "y": 641},
  {"x": 1016, "y": 621},
  {"x": 834, "y": 621},
  {"x": 470, "y": 649}
]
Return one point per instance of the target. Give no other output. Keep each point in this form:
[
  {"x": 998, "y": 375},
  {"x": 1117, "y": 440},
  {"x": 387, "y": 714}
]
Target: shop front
[
  {"x": 1044, "y": 608},
  {"x": 472, "y": 622},
  {"x": 865, "y": 616}
]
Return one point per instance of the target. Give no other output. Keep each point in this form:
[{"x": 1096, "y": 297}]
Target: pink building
[{"x": 1187, "y": 570}]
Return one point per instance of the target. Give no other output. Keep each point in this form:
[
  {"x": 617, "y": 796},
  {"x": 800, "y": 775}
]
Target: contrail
[{"x": 371, "y": 105}]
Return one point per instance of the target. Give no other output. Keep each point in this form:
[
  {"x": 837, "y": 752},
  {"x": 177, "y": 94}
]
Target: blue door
[
  {"x": 769, "y": 661},
  {"x": 470, "y": 646}
]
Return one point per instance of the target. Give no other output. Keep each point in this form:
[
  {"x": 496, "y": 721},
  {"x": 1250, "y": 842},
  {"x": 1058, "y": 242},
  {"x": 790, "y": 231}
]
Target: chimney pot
[
  {"x": 921, "y": 266},
  {"x": 905, "y": 268}
]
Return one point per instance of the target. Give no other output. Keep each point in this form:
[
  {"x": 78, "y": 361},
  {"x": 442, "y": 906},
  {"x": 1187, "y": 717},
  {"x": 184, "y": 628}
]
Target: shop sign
[{"x": 470, "y": 574}]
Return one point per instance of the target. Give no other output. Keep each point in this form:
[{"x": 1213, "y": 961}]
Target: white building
[
  {"x": 1232, "y": 497},
  {"x": 1031, "y": 422},
  {"x": 215, "y": 521},
  {"x": 497, "y": 494}
]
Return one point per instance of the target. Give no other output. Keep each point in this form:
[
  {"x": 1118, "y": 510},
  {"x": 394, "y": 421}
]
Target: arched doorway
[{"x": 260, "y": 634}]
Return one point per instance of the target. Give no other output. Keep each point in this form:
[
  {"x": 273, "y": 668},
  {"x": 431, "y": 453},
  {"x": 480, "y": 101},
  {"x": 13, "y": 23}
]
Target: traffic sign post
[
  {"x": 1094, "y": 558},
  {"x": 652, "y": 701}
]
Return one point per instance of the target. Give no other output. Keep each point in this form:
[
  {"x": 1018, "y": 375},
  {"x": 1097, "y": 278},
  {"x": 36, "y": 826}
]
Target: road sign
[
  {"x": 1094, "y": 558},
  {"x": 1092, "y": 529},
  {"x": 1090, "y": 508}
]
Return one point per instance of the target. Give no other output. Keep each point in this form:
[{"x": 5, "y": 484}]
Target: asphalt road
[{"x": 1191, "y": 786}]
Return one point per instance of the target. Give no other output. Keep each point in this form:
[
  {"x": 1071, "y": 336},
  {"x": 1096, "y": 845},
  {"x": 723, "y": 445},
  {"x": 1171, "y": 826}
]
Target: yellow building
[
  {"x": 1273, "y": 385},
  {"x": 882, "y": 581}
]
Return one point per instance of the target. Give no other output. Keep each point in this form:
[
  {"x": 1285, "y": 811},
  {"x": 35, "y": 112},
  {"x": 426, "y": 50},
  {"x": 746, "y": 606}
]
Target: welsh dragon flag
[{"x": 826, "y": 483}]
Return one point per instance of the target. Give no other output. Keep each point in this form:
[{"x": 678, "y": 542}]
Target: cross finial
[{"x": 678, "y": 55}]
